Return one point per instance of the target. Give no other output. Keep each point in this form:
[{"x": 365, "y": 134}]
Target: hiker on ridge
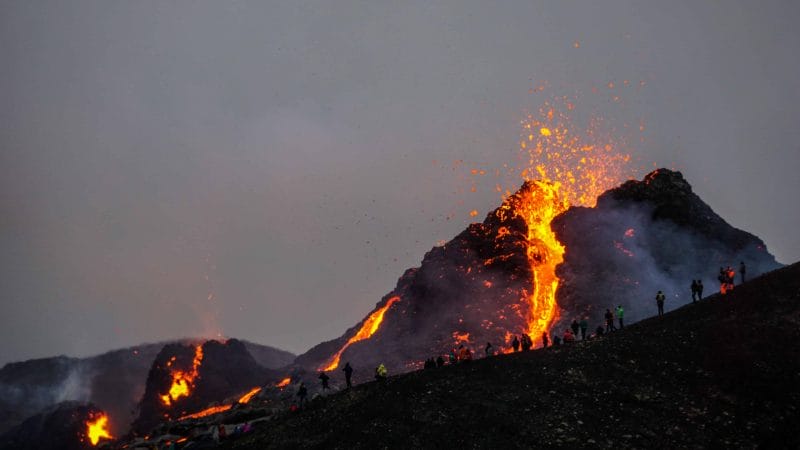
[
  {"x": 515, "y": 344},
  {"x": 575, "y": 327},
  {"x": 348, "y": 374},
  {"x": 545, "y": 340},
  {"x": 584, "y": 327},
  {"x": 324, "y": 378},
  {"x": 381, "y": 372},
  {"x": 660, "y": 303},
  {"x": 620, "y": 316},
  {"x": 694, "y": 291},
  {"x": 489, "y": 350},
  {"x": 609, "y": 321}
]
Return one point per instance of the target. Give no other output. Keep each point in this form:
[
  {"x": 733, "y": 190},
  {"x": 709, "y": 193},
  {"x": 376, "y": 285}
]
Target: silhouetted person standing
[
  {"x": 302, "y": 392},
  {"x": 575, "y": 327},
  {"x": 348, "y": 375},
  {"x": 660, "y": 303},
  {"x": 324, "y": 378},
  {"x": 609, "y": 321},
  {"x": 694, "y": 291},
  {"x": 742, "y": 270},
  {"x": 545, "y": 340},
  {"x": 489, "y": 350},
  {"x": 515, "y": 344},
  {"x": 584, "y": 327}
]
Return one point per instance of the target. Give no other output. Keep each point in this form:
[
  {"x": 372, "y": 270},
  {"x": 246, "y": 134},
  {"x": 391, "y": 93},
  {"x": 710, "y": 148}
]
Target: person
[
  {"x": 451, "y": 358},
  {"x": 694, "y": 291},
  {"x": 620, "y": 316},
  {"x": 699, "y": 289},
  {"x": 515, "y": 344},
  {"x": 731, "y": 277},
  {"x": 440, "y": 361},
  {"x": 221, "y": 432},
  {"x": 584, "y": 327},
  {"x": 575, "y": 327},
  {"x": 348, "y": 374},
  {"x": 556, "y": 340},
  {"x": 742, "y": 269},
  {"x": 660, "y": 303},
  {"x": 545, "y": 340},
  {"x": 381, "y": 372},
  {"x": 568, "y": 336},
  {"x": 526, "y": 343},
  {"x": 609, "y": 321},
  {"x": 488, "y": 350},
  {"x": 302, "y": 392},
  {"x": 428, "y": 363},
  {"x": 324, "y": 378},
  {"x": 723, "y": 281}
]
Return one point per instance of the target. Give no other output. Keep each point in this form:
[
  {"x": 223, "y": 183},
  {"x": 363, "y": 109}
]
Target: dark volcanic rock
[
  {"x": 226, "y": 369},
  {"x": 642, "y": 237},
  {"x": 114, "y": 381},
  {"x": 61, "y": 427},
  {"x": 723, "y": 373}
]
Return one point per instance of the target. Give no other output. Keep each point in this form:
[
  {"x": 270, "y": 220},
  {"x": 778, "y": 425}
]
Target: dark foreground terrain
[{"x": 723, "y": 373}]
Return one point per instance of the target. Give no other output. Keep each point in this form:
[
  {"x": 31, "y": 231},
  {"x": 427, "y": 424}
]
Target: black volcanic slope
[
  {"x": 723, "y": 373},
  {"x": 643, "y": 236}
]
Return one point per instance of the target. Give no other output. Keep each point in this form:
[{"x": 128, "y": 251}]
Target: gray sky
[{"x": 268, "y": 170}]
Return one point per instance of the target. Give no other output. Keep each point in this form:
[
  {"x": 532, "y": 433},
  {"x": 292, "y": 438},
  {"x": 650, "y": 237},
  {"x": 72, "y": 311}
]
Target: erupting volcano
[
  {"x": 183, "y": 381},
  {"x": 97, "y": 428}
]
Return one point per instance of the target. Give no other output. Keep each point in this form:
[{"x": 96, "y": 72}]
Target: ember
[
  {"x": 370, "y": 326},
  {"x": 182, "y": 381},
  {"x": 97, "y": 428}
]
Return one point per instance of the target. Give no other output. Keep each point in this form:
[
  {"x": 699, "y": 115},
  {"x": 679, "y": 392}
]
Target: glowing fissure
[
  {"x": 97, "y": 428},
  {"x": 370, "y": 326},
  {"x": 568, "y": 166},
  {"x": 207, "y": 412},
  {"x": 246, "y": 397},
  {"x": 182, "y": 381},
  {"x": 284, "y": 382}
]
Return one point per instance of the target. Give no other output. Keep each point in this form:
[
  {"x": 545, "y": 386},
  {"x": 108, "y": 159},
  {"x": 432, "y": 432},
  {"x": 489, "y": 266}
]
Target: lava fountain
[
  {"x": 368, "y": 328},
  {"x": 570, "y": 167}
]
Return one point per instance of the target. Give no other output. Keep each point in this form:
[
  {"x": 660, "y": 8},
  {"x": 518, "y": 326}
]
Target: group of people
[
  {"x": 609, "y": 316},
  {"x": 727, "y": 275},
  {"x": 523, "y": 343},
  {"x": 697, "y": 290}
]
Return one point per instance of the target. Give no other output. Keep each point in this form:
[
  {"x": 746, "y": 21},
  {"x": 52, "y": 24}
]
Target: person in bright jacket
[
  {"x": 381, "y": 372},
  {"x": 660, "y": 303},
  {"x": 620, "y": 316},
  {"x": 568, "y": 336}
]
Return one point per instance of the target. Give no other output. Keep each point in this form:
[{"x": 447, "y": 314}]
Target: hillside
[{"x": 720, "y": 373}]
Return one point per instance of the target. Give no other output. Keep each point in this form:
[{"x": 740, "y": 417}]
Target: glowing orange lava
[
  {"x": 97, "y": 429},
  {"x": 183, "y": 382},
  {"x": 370, "y": 326},
  {"x": 207, "y": 412},
  {"x": 284, "y": 382},
  {"x": 246, "y": 397},
  {"x": 568, "y": 165}
]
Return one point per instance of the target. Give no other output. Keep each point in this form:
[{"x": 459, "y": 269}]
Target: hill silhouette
[{"x": 720, "y": 373}]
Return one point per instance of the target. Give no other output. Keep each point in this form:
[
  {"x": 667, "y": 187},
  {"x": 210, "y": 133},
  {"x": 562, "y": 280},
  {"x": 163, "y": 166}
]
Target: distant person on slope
[
  {"x": 302, "y": 392},
  {"x": 575, "y": 327},
  {"x": 742, "y": 270},
  {"x": 584, "y": 327},
  {"x": 348, "y": 374},
  {"x": 440, "y": 361},
  {"x": 381, "y": 372},
  {"x": 660, "y": 303},
  {"x": 620, "y": 316},
  {"x": 488, "y": 350},
  {"x": 515, "y": 344},
  {"x": 694, "y": 291},
  {"x": 545, "y": 340},
  {"x": 609, "y": 321},
  {"x": 324, "y": 378}
]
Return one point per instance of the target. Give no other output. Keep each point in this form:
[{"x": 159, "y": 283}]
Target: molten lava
[
  {"x": 571, "y": 167},
  {"x": 246, "y": 397},
  {"x": 97, "y": 428},
  {"x": 206, "y": 412},
  {"x": 284, "y": 382},
  {"x": 370, "y": 326},
  {"x": 183, "y": 381}
]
